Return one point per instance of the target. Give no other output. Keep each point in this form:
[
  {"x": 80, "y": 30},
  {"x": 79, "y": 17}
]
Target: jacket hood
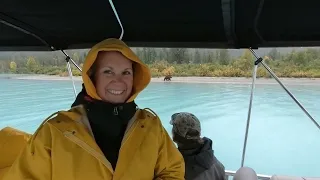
[
  {"x": 141, "y": 74},
  {"x": 201, "y": 163},
  {"x": 202, "y": 156}
]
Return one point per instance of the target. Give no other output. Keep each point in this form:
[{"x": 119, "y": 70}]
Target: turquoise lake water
[{"x": 282, "y": 140}]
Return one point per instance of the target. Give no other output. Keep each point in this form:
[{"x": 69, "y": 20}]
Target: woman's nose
[{"x": 117, "y": 77}]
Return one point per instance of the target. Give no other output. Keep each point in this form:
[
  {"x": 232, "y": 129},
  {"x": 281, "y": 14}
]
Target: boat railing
[{"x": 229, "y": 175}]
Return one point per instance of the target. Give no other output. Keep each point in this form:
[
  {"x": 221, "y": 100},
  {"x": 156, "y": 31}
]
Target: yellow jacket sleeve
[
  {"x": 12, "y": 141},
  {"x": 34, "y": 162},
  {"x": 170, "y": 165}
]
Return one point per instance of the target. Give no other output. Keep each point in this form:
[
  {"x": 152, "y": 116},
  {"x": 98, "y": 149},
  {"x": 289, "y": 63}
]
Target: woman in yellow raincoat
[{"x": 104, "y": 135}]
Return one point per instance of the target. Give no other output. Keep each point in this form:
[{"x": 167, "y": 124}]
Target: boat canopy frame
[{"x": 51, "y": 25}]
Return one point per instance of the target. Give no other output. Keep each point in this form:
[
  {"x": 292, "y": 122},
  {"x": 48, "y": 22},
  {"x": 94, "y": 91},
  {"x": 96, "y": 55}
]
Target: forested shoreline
[{"x": 177, "y": 62}]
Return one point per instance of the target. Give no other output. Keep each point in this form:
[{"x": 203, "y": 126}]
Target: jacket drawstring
[{"x": 155, "y": 114}]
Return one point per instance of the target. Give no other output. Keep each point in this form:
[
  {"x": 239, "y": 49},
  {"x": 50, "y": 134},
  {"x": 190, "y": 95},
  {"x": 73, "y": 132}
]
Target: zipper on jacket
[{"x": 115, "y": 111}]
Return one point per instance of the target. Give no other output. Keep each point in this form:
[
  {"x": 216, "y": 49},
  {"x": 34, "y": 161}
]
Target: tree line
[{"x": 177, "y": 62}]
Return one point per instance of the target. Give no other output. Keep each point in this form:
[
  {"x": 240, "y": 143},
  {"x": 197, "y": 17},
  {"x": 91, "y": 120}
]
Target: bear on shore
[{"x": 167, "y": 78}]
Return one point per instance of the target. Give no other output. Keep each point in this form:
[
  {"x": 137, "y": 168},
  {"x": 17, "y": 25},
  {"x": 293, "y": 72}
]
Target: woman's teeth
[{"x": 115, "y": 92}]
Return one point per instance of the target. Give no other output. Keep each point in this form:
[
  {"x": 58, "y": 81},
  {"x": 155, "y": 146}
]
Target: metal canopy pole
[
  {"x": 254, "y": 76},
  {"x": 118, "y": 18},
  {"x": 70, "y": 74},
  {"x": 68, "y": 59},
  {"x": 284, "y": 87}
]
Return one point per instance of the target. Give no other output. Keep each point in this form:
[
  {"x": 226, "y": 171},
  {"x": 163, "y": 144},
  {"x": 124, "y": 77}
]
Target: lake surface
[{"x": 282, "y": 140}]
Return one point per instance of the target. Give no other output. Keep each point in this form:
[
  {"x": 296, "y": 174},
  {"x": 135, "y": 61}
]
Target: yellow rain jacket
[
  {"x": 63, "y": 147},
  {"x": 12, "y": 142}
]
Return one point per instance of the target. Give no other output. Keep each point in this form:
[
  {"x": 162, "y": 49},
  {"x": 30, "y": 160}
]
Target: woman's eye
[
  {"x": 107, "y": 72},
  {"x": 126, "y": 73}
]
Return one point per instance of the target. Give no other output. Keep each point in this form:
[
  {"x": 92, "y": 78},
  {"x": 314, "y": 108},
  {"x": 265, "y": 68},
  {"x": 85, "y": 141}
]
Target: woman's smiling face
[{"x": 113, "y": 77}]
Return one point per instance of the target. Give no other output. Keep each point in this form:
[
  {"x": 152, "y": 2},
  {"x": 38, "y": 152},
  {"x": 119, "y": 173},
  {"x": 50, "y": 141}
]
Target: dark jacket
[
  {"x": 108, "y": 133},
  {"x": 201, "y": 164}
]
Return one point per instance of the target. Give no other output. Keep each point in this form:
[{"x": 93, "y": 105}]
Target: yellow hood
[{"x": 141, "y": 74}]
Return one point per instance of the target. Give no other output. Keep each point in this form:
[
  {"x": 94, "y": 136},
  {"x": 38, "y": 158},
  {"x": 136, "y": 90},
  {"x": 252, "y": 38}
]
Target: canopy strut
[
  {"x": 254, "y": 75},
  {"x": 284, "y": 87},
  {"x": 72, "y": 61},
  {"x": 117, "y": 16},
  {"x": 68, "y": 59},
  {"x": 71, "y": 76},
  {"x": 25, "y": 31}
]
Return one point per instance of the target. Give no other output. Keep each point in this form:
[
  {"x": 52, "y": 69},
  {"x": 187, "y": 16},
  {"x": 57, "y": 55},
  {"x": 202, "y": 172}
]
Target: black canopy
[{"x": 69, "y": 24}]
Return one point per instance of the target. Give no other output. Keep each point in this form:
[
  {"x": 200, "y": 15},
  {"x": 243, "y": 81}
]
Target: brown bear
[{"x": 167, "y": 78}]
